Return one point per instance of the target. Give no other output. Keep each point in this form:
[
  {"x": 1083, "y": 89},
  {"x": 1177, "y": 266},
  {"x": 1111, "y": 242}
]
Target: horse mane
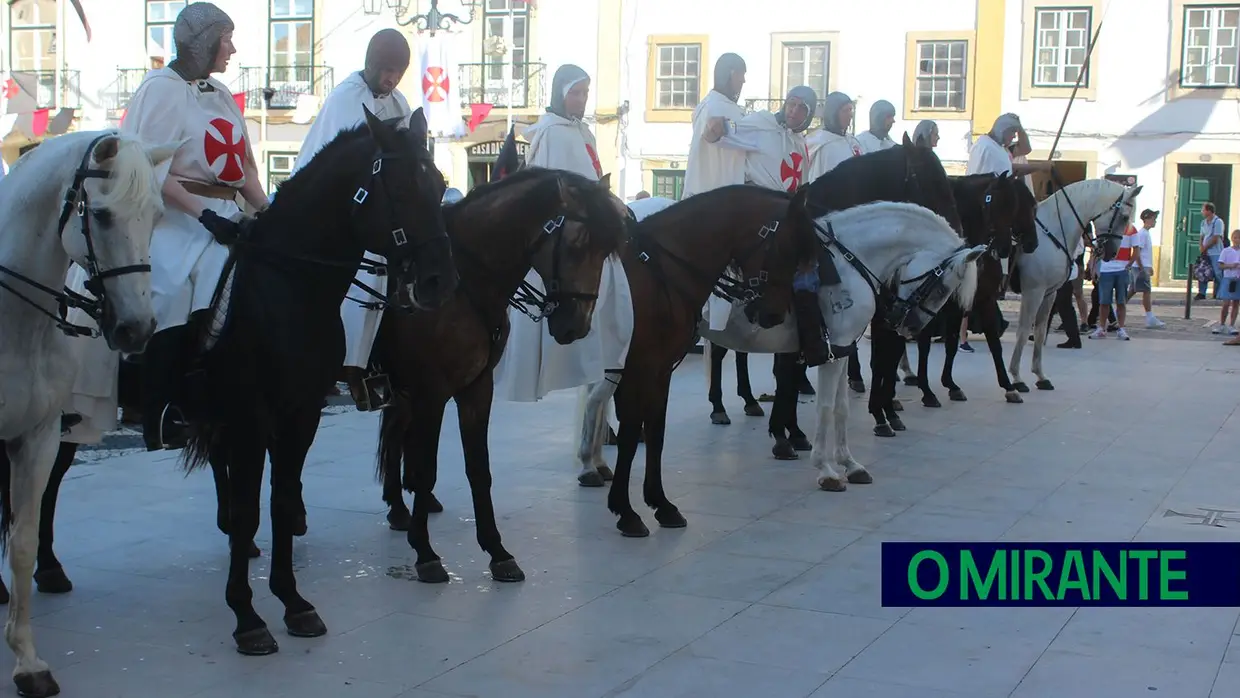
[
  {"x": 1087, "y": 189},
  {"x": 300, "y": 181},
  {"x": 133, "y": 181},
  {"x": 706, "y": 198}
]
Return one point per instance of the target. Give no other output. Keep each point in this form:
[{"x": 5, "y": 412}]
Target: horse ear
[
  {"x": 106, "y": 149},
  {"x": 418, "y": 129},
  {"x": 372, "y": 122},
  {"x": 906, "y": 142},
  {"x": 605, "y": 181},
  {"x": 158, "y": 154},
  {"x": 973, "y": 253},
  {"x": 1135, "y": 190}
]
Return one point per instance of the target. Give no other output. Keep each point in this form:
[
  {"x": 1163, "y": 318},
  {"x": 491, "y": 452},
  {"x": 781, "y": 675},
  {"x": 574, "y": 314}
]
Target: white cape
[
  {"x": 871, "y": 144},
  {"x": 711, "y": 165},
  {"x": 781, "y": 161},
  {"x": 827, "y": 150}
]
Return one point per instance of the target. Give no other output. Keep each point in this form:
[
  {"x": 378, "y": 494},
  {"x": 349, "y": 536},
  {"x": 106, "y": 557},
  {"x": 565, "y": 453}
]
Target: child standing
[{"x": 1229, "y": 290}]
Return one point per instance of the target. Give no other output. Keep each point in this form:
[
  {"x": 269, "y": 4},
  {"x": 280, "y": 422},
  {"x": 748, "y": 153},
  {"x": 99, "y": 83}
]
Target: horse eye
[{"x": 102, "y": 216}]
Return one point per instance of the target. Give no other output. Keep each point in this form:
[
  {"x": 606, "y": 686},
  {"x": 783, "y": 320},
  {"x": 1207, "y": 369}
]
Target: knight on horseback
[
  {"x": 183, "y": 101},
  {"x": 882, "y": 118}
]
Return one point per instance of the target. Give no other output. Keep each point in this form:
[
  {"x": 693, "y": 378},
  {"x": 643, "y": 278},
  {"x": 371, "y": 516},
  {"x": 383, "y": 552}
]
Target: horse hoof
[
  {"x": 53, "y": 581},
  {"x": 783, "y": 450},
  {"x": 399, "y": 519},
  {"x": 299, "y": 526},
  {"x": 606, "y": 473},
  {"x": 884, "y": 430},
  {"x": 256, "y": 643},
  {"x": 801, "y": 443},
  {"x": 507, "y": 571},
  {"x": 856, "y": 386},
  {"x": 590, "y": 479},
  {"x": 433, "y": 505},
  {"x": 37, "y": 685},
  {"x": 670, "y": 517},
  {"x": 860, "y": 477},
  {"x": 1045, "y": 385},
  {"x": 721, "y": 418},
  {"x": 1013, "y": 397},
  {"x": 431, "y": 572},
  {"x": 1020, "y": 387},
  {"x": 831, "y": 484},
  {"x": 910, "y": 380},
  {"x": 253, "y": 552},
  {"x": 897, "y": 405},
  {"x": 632, "y": 527},
  {"x": 957, "y": 395},
  {"x": 753, "y": 409},
  {"x": 930, "y": 401},
  {"x": 897, "y": 424},
  {"x": 305, "y": 624}
]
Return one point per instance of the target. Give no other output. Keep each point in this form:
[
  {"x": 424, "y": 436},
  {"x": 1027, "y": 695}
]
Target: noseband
[
  {"x": 544, "y": 303},
  {"x": 76, "y": 200}
]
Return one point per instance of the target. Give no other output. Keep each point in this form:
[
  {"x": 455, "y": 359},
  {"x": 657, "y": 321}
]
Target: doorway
[
  {"x": 479, "y": 173},
  {"x": 1195, "y": 185}
]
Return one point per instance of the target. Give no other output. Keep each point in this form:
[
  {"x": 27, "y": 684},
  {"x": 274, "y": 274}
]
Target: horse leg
[
  {"x": 1039, "y": 344},
  {"x": 953, "y": 316},
  {"x": 244, "y": 458},
  {"x": 891, "y": 379},
  {"x": 49, "y": 575},
  {"x": 421, "y": 469},
  {"x": 654, "y": 408},
  {"x": 783, "y": 411},
  {"x": 288, "y": 513},
  {"x": 854, "y": 471},
  {"x": 743, "y": 389},
  {"x": 223, "y": 509},
  {"x": 990, "y": 328},
  {"x": 30, "y": 466},
  {"x": 909, "y": 377},
  {"x": 855, "y": 382},
  {"x": 881, "y": 352},
  {"x": 1027, "y": 312},
  {"x": 398, "y": 516},
  {"x": 594, "y": 469},
  {"x": 831, "y": 398},
  {"x": 629, "y": 412},
  {"x": 718, "y": 413}
]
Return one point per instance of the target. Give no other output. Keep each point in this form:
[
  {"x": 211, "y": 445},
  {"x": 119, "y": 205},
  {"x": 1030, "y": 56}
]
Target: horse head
[
  {"x": 110, "y": 211},
  {"x": 1108, "y": 205},
  {"x": 399, "y": 214}
]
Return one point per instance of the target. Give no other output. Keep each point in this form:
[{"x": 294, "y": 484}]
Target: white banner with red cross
[{"x": 441, "y": 95}]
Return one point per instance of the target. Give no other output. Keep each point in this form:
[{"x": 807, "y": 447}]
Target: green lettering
[
  {"x": 1072, "y": 576},
  {"x": 944, "y": 575},
  {"x": 1014, "y": 576},
  {"x": 1167, "y": 575},
  {"x": 1143, "y": 572},
  {"x": 971, "y": 576},
  {"x": 1039, "y": 576},
  {"x": 1102, "y": 568}
]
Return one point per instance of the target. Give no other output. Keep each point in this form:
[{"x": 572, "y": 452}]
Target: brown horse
[
  {"x": 674, "y": 261},
  {"x": 563, "y": 225}
]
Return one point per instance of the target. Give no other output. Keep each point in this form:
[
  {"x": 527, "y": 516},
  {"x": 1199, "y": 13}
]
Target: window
[
  {"x": 807, "y": 64},
  {"x": 1211, "y": 46},
  {"x": 32, "y": 47},
  {"x": 160, "y": 16},
  {"x": 669, "y": 184},
  {"x": 1061, "y": 40},
  {"x": 675, "y": 66},
  {"x": 279, "y": 167},
  {"x": 941, "y": 75},
  {"x": 507, "y": 20},
  {"x": 292, "y": 41}
]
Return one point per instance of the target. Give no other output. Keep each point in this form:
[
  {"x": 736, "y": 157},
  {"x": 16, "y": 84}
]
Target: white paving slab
[{"x": 773, "y": 589}]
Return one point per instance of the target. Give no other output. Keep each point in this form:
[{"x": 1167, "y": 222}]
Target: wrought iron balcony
[
  {"x": 774, "y": 105},
  {"x": 287, "y": 83},
  {"x": 43, "y": 88},
  {"x": 127, "y": 81},
  {"x": 517, "y": 85}
]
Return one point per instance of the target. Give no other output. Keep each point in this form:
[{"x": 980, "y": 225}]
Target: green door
[{"x": 1191, "y": 193}]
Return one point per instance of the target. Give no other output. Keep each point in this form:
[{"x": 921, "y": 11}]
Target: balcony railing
[
  {"x": 517, "y": 85},
  {"x": 288, "y": 84},
  {"x": 42, "y": 86},
  {"x": 774, "y": 105},
  {"x": 127, "y": 81}
]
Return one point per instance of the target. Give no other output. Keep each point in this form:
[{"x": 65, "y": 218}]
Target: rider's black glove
[{"x": 225, "y": 231}]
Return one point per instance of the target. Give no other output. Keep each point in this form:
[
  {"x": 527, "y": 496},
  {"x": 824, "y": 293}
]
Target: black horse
[{"x": 905, "y": 173}]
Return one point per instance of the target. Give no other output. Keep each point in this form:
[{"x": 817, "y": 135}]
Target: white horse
[
  {"x": 901, "y": 246},
  {"x": 1063, "y": 219},
  {"x": 93, "y": 198}
]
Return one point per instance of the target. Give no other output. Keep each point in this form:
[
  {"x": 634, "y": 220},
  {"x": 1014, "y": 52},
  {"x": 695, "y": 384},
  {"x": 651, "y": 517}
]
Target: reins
[{"x": 1094, "y": 239}]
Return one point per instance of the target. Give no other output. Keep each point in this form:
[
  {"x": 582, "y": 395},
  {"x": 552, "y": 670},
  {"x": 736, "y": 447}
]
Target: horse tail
[
  {"x": 197, "y": 452},
  {"x": 392, "y": 424}
]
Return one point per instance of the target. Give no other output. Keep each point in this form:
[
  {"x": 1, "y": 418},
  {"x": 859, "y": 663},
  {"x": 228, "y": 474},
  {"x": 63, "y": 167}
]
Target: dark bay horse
[
  {"x": 908, "y": 173},
  {"x": 673, "y": 261},
  {"x": 563, "y": 225}
]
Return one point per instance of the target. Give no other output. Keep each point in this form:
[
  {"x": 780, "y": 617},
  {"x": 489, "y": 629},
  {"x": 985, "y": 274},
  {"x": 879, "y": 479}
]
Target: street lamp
[{"x": 432, "y": 20}]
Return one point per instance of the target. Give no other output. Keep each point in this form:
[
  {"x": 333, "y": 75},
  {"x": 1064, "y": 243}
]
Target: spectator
[
  {"x": 1213, "y": 240},
  {"x": 1091, "y": 320},
  {"x": 1229, "y": 263},
  {"x": 1064, "y": 304},
  {"x": 1142, "y": 267},
  {"x": 643, "y": 194},
  {"x": 1113, "y": 286}
]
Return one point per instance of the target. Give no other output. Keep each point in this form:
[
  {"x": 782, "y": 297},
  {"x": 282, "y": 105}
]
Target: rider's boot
[
  {"x": 810, "y": 328},
  {"x": 163, "y": 373}
]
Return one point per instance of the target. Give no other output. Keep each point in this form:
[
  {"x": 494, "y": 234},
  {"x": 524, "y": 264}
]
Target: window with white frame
[
  {"x": 161, "y": 15},
  {"x": 1061, "y": 40},
  {"x": 1211, "y": 46},
  {"x": 678, "y": 76},
  {"x": 279, "y": 167},
  {"x": 32, "y": 47},
  {"x": 941, "y": 74},
  {"x": 292, "y": 41},
  {"x": 807, "y": 64},
  {"x": 508, "y": 20}
]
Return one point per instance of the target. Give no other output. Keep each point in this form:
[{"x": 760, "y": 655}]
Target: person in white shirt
[
  {"x": 1213, "y": 240},
  {"x": 1141, "y": 267},
  {"x": 882, "y": 118}
]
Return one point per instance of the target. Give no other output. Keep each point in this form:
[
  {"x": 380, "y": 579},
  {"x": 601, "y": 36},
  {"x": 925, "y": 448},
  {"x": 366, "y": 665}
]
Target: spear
[{"x": 1089, "y": 51}]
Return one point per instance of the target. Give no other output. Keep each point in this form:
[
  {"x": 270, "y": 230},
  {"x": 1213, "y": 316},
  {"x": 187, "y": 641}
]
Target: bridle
[
  {"x": 76, "y": 200},
  {"x": 1088, "y": 231}
]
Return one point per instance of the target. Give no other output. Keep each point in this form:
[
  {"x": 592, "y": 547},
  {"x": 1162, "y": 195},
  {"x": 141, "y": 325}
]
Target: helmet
[{"x": 452, "y": 195}]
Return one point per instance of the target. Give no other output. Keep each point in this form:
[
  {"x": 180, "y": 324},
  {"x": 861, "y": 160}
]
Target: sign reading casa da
[{"x": 490, "y": 149}]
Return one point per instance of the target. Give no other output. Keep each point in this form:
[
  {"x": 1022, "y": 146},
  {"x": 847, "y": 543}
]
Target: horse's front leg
[
  {"x": 594, "y": 469},
  {"x": 421, "y": 471},
  {"x": 715, "y": 355},
  {"x": 655, "y": 410},
  {"x": 30, "y": 459},
  {"x": 244, "y": 457},
  {"x": 854, "y": 471},
  {"x": 1028, "y": 311},
  {"x": 473, "y": 406},
  {"x": 831, "y": 376},
  {"x": 954, "y": 317},
  {"x": 629, "y": 412},
  {"x": 288, "y": 515},
  {"x": 924, "y": 343},
  {"x": 49, "y": 575},
  {"x": 223, "y": 494},
  {"x": 882, "y": 352},
  {"x": 1040, "y": 329}
]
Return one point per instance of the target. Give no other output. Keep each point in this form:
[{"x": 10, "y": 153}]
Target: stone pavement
[{"x": 773, "y": 588}]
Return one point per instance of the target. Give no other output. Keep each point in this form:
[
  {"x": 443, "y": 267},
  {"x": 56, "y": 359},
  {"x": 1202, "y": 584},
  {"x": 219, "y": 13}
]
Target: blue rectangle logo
[{"x": 1061, "y": 574}]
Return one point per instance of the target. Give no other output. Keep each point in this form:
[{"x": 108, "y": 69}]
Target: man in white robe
[
  {"x": 831, "y": 145},
  {"x": 387, "y": 59},
  {"x": 534, "y": 364},
  {"x": 882, "y": 118}
]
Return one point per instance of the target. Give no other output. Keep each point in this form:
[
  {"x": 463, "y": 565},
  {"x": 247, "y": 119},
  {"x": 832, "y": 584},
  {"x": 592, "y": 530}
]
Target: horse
[
  {"x": 273, "y": 341},
  {"x": 674, "y": 258},
  {"x": 905, "y": 173},
  {"x": 91, "y": 197},
  {"x": 562, "y": 224},
  {"x": 1063, "y": 218},
  {"x": 901, "y": 257}
]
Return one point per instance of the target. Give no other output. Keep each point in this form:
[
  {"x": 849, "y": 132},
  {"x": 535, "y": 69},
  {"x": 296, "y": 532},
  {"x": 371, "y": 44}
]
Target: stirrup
[
  {"x": 378, "y": 391},
  {"x": 69, "y": 420},
  {"x": 173, "y": 413}
]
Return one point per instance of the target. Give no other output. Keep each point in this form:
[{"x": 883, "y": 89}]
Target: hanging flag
[
  {"x": 307, "y": 108},
  {"x": 61, "y": 122},
  {"x": 20, "y": 89},
  {"x": 239, "y": 98},
  {"x": 441, "y": 101},
  {"x": 477, "y": 114},
  {"x": 33, "y": 124},
  {"x": 508, "y": 160}
]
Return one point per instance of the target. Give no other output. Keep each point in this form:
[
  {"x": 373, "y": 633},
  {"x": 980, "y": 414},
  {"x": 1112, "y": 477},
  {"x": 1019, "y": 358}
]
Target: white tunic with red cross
[
  {"x": 186, "y": 261},
  {"x": 781, "y": 160}
]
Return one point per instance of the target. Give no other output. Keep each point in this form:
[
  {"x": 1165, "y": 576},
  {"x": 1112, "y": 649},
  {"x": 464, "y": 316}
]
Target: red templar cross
[
  {"x": 435, "y": 84},
  {"x": 231, "y": 151},
  {"x": 790, "y": 171}
]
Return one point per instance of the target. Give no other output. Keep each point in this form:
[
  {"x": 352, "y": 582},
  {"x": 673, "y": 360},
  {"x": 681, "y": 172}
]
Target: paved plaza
[{"x": 772, "y": 590}]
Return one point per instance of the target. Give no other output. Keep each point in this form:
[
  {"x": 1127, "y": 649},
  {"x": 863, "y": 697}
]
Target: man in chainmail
[{"x": 882, "y": 118}]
